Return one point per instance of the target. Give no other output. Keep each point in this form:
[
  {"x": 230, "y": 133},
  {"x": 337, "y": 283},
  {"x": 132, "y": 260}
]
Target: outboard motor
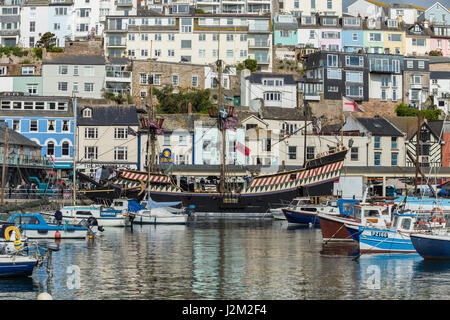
[{"x": 93, "y": 222}]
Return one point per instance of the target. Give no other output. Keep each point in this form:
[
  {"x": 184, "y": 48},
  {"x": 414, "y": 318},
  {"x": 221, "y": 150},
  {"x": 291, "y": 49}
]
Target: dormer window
[
  {"x": 371, "y": 23},
  {"x": 392, "y": 23},
  {"x": 87, "y": 113},
  {"x": 417, "y": 28}
]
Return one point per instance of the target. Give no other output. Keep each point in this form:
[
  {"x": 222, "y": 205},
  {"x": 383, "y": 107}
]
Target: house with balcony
[
  {"x": 189, "y": 37},
  {"x": 107, "y": 137},
  {"x": 23, "y": 157},
  {"x": 334, "y": 75},
  {"x": 268, "y": 89},
  {"x": 10, "y": 23},
  {"x": 385, "y": 145},
  {"x": 440, "y": 89},
  {"x": 66, "y": 74},
  {"x": 416, "y": 81},
  {"x": 118, "y": 76},
  {"x": 385, "y": 77},
  {"x": 352, "y": 34},
  {"x": 46, "y": 120}
]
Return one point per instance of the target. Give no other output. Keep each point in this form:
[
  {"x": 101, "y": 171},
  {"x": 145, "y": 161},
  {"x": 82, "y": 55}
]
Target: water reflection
[{"x": 228, "y": 259}]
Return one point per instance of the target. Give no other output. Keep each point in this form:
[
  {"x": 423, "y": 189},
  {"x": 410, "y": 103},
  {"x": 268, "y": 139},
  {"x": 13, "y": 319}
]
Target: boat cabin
[
  {"x": 372, "y": 214},
  {"x": 27, "y": 218},
  {"x": 405, "y": 222}
]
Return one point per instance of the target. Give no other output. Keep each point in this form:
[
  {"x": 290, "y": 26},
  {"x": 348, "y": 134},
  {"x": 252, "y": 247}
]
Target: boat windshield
[
  {"x": 371, "y": 213},
  {"x": 26, "y": 220},
  {"x": 406, "y": 223},
  {"x": 357, "y": 213}
]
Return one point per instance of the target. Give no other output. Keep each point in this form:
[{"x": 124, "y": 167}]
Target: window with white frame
[
  {"x": 32, "y": 88},
  {"x": 194, "y": 81},
  {"x": 272, "y": 96},
  {"x": 28, "y": 70},
  {"x": 88, "y": 87},
  {"x": 91, "y": 153},
  {"x": 65, "y": 126},
  {"x": 63, "y": 69},
  {"x": 65, "y": 149},
  {"x": 33, "y": 125},
  {"x": 90, "y": 133},
  {"x": 120, "y": 153},
  {"x": 175, "y": 79},
  {"x": 62, "y": 86},
  {"x": 120, "y": 133}
]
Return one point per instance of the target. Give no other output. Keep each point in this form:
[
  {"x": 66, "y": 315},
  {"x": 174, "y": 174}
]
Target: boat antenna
[
  {"x": 150, "y": 133},
  {"x": 5, "y": 151}
]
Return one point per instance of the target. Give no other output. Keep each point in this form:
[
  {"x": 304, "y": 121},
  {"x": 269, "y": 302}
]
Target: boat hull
[
  {"x": 54, "y": 234},
  {"x": 373, "y": 240},
  {"x": 432, "y": 247},
  {"x": 19, "y": 266},
  {"x": 155, "y": 219},
  {"x": 333, "y": 228},
  {"x": 301, "y": 217},
  {"x": 353, "y": 230}
]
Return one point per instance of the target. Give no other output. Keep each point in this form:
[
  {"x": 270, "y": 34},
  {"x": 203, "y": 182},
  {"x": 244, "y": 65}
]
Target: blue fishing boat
[
  {"x": 307, "y": 214},
  {"x": 34, "y": 226},
  {"x": 432, "y": 246},
  {"x": 392, "y": 239}
]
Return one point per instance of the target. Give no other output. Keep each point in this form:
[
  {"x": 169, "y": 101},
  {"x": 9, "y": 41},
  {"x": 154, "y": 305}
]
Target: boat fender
[
  {"x": 17, "y": 241},
  {"x": 57, "y": 235},
  {"x": 437, "y": 218}
]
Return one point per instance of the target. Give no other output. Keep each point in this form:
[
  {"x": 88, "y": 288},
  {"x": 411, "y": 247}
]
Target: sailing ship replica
[{"x": 316, "y": 178}]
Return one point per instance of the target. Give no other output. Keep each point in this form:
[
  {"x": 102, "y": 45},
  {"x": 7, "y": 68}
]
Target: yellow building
[{"x": 394, "y": 37}]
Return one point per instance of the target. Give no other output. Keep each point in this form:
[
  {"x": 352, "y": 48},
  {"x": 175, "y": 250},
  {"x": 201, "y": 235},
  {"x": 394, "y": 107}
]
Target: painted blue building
[
  {"x": 352, "y": 34},
  {"x": 437, "y": 14},
  {"x": 48, "y": 121}
]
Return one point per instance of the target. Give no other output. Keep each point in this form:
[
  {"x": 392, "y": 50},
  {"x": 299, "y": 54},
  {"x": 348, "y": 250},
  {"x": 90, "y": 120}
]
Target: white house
[
  {"x": 408, "y": 12},
  {"x": 440, "y": 89},
  {"x": 368, "y": 8},
  {"x": 268, "y": 89},
  {"x": 310, "y": 7}
]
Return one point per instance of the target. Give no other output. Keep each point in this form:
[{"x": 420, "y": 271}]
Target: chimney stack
[{"x": 189, "y": 108}]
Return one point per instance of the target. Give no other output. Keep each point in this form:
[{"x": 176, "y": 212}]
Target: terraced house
[
  {"x": 181, "y": 35},
  {"x": 10, "y": 22}
]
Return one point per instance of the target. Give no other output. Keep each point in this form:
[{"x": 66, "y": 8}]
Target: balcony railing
[
  {"x": 259, "y": 44},
  {"x": 124, "y": 3},
  {"x": 118, "y": 74},
  {"x": 117, "y": 44},
  {"x": 21, "y": 160},
  {"x": 118, "y": 91}
]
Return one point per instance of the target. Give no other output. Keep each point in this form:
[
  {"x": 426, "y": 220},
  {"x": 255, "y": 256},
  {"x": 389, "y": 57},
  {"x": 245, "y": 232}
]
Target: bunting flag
[
  {"x": 52, "y": 161},
  {"x": 350, "y": 105},
  {"x": 227, "y": 125},
  {"x": 242, "y": 148},
  {"x": 223, "y": 113}
]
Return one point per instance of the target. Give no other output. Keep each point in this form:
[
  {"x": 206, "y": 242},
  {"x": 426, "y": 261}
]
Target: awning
[{"x": 63, "y": 165}]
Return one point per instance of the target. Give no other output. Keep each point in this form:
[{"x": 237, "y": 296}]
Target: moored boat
[
  {"x": 432, "y": 246},
  {"x": 34, "y": 226},
  {"x": 104, "y": 216},
  {"x": 334, "y": 227},
  {"x": 308, "y": 214}
]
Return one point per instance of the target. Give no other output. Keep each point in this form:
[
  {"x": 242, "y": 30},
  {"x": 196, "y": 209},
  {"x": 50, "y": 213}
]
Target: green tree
[
  {"x": 251, "y": 64},
  {"x": 402, "y": 110},
  {"x": 47, "y": 41},
  {"x": 170, "y": 102}
]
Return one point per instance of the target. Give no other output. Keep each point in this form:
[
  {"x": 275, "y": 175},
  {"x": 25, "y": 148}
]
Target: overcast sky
[{"x": 420, "y": 3}]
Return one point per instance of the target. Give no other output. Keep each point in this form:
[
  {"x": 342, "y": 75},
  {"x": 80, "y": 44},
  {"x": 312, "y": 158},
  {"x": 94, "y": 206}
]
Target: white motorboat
[
  {"x": 104, "y": 216},
  {"x": 278, "y": 214}
]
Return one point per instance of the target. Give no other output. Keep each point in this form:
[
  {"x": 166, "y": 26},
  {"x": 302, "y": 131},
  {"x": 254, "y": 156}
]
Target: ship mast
[
  {"x": 220, "y": 122},
  {"x": 151, "y": 134}
]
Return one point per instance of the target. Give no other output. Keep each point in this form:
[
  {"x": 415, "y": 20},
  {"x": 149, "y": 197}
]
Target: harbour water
[{"x": 227, "y": 259}]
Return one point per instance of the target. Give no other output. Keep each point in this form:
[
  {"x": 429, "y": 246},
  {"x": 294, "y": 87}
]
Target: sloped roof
[
  {"x": 380, "y": 127},
  {"x": 108, "y": 115},
  {"x": 78, "y": 59},
  {"x": 15, "y": 138},
  {"x": 440, "y": 75},
  {"x": 256, "y": 77},
  {"x": 406, "y": 124}
]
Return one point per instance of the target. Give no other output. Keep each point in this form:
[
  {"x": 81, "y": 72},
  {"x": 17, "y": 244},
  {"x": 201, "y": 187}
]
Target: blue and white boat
[
  {"x": 432, "y": 246},
  {"x": 396, "y": 237},
  {"x": 307, "y": 214},
  {"x": 104, "y": 216},
  {"x": 33, "y": 226}
]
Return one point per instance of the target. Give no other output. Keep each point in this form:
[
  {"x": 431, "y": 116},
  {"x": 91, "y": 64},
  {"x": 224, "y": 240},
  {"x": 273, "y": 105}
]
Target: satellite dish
[{"x": 255, "y": 105}]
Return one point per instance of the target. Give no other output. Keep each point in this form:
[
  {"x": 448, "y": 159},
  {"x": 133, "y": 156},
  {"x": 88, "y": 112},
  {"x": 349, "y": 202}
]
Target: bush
[{"x": 402, "y": 110}]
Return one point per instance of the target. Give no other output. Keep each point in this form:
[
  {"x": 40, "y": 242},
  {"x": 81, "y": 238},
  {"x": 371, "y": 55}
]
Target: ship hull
[{"x": 316, "y": 179}]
